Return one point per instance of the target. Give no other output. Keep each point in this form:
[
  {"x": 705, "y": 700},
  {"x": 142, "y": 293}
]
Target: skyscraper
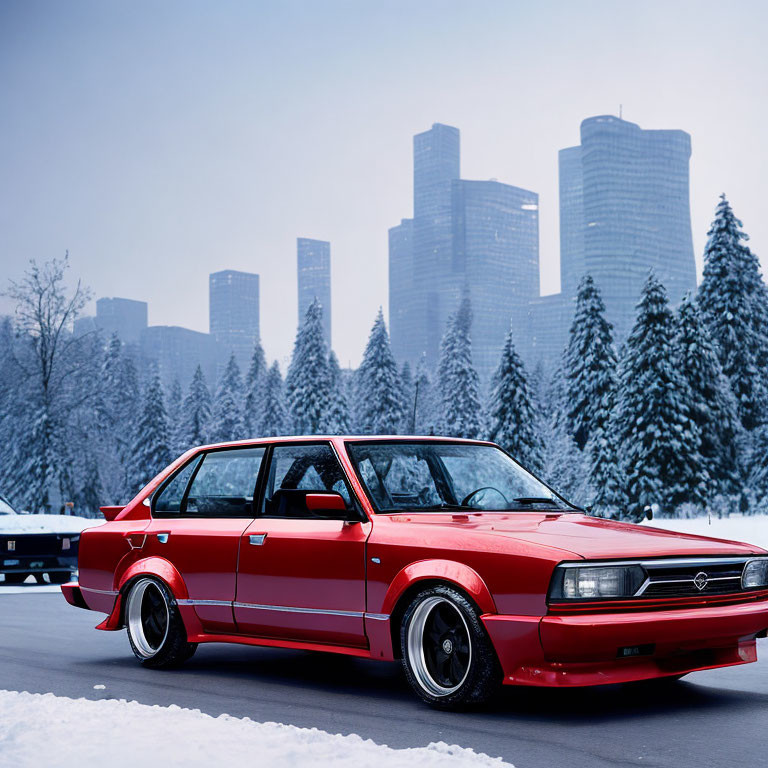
[
  {"x": 178, "y": 351},
  {"x": 125, "y": 317},
  {"x": 314, "y": 279},
  {"x": 475, "y": 236},
  {"x": 627, "y": 211},
  {"x": 624, "y": 210},
  {"x": 234, "y": 314}
]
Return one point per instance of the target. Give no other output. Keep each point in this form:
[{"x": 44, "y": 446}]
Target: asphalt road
[{"x": 717, "y": 718}]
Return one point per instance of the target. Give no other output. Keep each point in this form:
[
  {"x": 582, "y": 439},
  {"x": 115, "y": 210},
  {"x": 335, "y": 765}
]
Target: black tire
[
  {"x": 15, "y": 578},
  {"x": 60, "y": 577},
  {"x": 447, "y": 656},
  {"x": 155, "y": 628}
]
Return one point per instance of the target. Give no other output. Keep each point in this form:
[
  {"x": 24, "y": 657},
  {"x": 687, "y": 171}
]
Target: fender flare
[
  {"x": 158, "y": 567},
  {"x": 161, "y": 569},
  {"x": 450, "y": 571}
]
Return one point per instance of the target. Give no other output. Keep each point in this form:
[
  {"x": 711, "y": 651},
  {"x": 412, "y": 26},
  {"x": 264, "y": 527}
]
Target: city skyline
[
  {"x": 478, "y": 237},
  {"x": 192, "y": 164}
]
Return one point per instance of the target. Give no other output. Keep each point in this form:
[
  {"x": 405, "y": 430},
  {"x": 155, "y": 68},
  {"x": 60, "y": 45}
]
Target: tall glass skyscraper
[
  {"x": 314, "y": 279},
  {"x": 624, "y": 210},
  {"x": 634, "y": 213},
  {"x": 234, "y": 314},
  {"x": 475, "y": 236}
]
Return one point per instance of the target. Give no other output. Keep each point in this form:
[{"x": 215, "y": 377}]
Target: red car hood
[{"x": 586, "y": 536}]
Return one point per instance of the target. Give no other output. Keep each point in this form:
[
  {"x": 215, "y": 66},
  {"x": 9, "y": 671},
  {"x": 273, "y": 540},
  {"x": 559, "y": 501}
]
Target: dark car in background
[{"x": 35, "y": 545}]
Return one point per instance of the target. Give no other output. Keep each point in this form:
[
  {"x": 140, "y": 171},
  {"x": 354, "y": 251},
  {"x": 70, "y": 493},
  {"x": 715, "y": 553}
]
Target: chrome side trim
[
  {"x": 286, "y": 609},
  {"x": 227, "y": 603},
  {"x": 291, "y": 609},
  {"x": 111, "y": 592}
]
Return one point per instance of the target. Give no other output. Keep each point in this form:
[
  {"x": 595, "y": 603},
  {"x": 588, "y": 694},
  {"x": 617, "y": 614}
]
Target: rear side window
[
  {"x": 168, "y": 503},
  {"x": 221, "y": 484}
]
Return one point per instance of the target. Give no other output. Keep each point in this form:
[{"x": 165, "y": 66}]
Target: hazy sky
[{"x": 161, "y": 141}]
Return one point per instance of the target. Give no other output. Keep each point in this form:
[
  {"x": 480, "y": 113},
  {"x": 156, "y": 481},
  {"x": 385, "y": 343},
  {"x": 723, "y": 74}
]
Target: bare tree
[{"x": 51, "y": 363}]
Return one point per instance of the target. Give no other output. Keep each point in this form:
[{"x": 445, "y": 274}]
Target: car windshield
[
  {"x": 421, "y": 476},
  {"x": 5, "y": 507}
]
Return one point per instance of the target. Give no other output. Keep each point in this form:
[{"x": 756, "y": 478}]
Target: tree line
[{"x": 677, "y": 417}]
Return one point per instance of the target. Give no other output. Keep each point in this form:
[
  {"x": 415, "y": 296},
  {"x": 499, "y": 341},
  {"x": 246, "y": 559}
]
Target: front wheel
[
  {"x": 447, "y": 655},
  {"x": 155, "y": 628}
]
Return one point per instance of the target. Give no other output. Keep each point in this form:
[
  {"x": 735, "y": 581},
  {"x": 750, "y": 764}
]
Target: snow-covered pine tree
[
  {"x": 408, "y": 389},
  {"x": 590, "y": 365},
  {"x": 274, "y": 418},
  {"x": 196, "y": 412},
  {"x": 175, "y": 421},
  {"x": 458, "y": 381},
  {"x": 227, "y": 411},
  {"x": 732, "y": 298},
  {"x": 564, "y": 466},
  {"x": 712, "y": 404},
  {"x": 378, "y": 393},
  {"x": 513, "y": 415},
  {"x": 660, "y": 442},
  {"x": 254, "y": 382},
  {"x": 307, "y": 384},
  {"x": 424, "y": 409},
  {"x": 150, "y": 451},
  {"x": 605, "y": 476},
  {"x": 336, "y": 420}
]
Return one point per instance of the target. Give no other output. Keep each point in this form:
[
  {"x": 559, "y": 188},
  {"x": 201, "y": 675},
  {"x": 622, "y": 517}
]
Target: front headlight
[
  {"x": 596, "y": 582},
  {"x": 755, "y": 574}
]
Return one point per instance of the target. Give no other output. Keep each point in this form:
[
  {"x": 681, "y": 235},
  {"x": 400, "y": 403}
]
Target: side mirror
[{"x": 330, "y": 505}]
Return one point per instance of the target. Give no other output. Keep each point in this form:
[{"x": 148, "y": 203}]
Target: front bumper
[{"x": 588, "y": 649}]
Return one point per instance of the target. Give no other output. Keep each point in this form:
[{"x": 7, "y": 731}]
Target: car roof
[{"x": 343, "y": 438}]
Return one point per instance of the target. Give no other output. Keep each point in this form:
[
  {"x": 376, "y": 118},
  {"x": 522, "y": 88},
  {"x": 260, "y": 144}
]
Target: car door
[
  {"x": 198, "y": 520},
  {"x": 300, "y": 576}
]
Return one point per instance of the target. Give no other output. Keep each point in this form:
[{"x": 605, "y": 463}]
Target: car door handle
[
  {"x": 258, "y": 539},
  {"x": 163, "y": 537}
]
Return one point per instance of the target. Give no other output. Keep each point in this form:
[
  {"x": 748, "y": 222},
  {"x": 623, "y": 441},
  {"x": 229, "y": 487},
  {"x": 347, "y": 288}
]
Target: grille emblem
[
  {"x": 11, "y": 545},
  {"x": 701, "y": 580}
]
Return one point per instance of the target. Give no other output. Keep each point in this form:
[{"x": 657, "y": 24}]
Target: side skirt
[{"x": 270, "y": 642}]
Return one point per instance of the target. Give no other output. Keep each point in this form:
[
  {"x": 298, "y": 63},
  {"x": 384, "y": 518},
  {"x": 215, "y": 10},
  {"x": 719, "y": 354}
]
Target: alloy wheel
[
  {"x": 148, "y": 617},
  {"x": 439, "y": 646}
]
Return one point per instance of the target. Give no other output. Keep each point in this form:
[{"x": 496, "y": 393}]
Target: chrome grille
[{"x": 692, "y": 578}]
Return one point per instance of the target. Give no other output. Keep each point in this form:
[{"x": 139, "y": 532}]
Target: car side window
[
  {"x": 296, "y": 470},
  {"x": 225, "y": 484},
  {"x": 168, "y": 503},
  {"x": 221, "y": 484}
]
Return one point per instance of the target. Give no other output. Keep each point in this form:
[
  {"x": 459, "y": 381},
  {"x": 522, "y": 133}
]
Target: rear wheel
[
  {"x": 155, "y": 628},
  {"x": 447, "y": 655}
]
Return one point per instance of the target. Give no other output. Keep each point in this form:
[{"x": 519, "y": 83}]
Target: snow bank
[
  {"x": 753, "y": 529},
  {"x": 51, "y": 731}
]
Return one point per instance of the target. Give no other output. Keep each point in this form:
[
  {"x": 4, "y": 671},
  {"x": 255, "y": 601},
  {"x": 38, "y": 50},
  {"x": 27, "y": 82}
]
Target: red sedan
[{"x": 446, "y": 554}]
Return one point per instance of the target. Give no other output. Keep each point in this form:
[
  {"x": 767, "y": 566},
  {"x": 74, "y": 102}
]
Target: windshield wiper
[
  {"x": 536, "y": 500},
  {"x": 450, "y": 507}
]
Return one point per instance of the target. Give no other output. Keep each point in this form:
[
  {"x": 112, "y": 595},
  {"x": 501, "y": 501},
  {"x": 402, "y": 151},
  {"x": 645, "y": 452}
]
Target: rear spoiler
[{"x": 110, "y": 513}]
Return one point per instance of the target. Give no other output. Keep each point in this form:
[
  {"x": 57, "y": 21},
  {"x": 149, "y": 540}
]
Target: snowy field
[
  {"x": 752, "y": 529},
  {"x": 51, "y": 731}
]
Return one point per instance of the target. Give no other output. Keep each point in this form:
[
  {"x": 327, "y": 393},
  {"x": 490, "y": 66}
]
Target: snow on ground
[
  {"x": 53, "y": 731},
  {"x": 752, "y": 529}
]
